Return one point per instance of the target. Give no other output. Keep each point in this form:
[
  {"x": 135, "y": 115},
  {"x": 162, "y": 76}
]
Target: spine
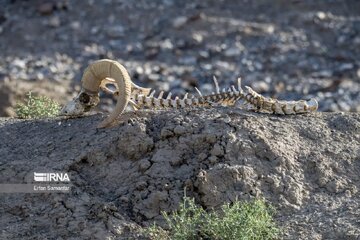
[
  {"x": 274, "y": 106},
  {"x": 225, "y": 98},
  {"x": 228, "y": 97}
]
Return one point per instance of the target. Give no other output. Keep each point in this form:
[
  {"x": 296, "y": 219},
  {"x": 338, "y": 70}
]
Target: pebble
[
  {"x": 213, "y": 159},
  {"x": 46, "y": 8},
  {"x": 188, "y": 60},
  {"x": 54, "y": 22},
  {"x": 197, "y": 37},
  {"x": 75, "y": 25},
  {"x": 261, "y": 86},
  {"x": 115, "y": 31},
  {"x": 165, "y": 133},
  {"x": 202, "y": 156},
  {"x": 141, "y": 185},
  {"x": 217, "y": 150},
  {"x": 344, "y": 106},
  {"x": 346, "y": 66},
  {"x": 232, "y": 52},
  {"x": 154, "y": 77},
  {"x": 144, "y": 165},
  {"x": 204, "y": 54},
  {"x": 179, "y": 130},
  {"x": 179, "y": 21},
  {"x": 321, "y": 15},
  {"x": 166, "y": 44}
]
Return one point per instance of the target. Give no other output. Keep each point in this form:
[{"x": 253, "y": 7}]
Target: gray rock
[
  {"x": 117, "y": 31},
  {"x": 54, "y": 22},
  {"x": 232, "y": 52},
  {"x": 179, "y": 21}
]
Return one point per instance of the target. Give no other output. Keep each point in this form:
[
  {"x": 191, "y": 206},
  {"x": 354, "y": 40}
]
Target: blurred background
[{"x": 284, "y": 49}]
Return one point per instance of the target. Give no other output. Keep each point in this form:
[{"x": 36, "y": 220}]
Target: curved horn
[{"x": 106, "y": 68}]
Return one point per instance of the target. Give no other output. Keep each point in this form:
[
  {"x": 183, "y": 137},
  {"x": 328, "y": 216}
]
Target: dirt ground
[{"x": 307, "y": 166}]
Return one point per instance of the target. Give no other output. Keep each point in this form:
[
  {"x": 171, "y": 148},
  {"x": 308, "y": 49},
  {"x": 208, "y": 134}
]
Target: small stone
[
  {"x": 40, "y": 76},
  {"x": 211, "y": 138},
  {"x": 165, "y": 133},
  {"x": 179, "y": 130},
  {"x": 334, "y": 107},
  {"x": 139, "y": 70},
  {"x": 344, "y": 106},
  {"x": 346, "y": 66},
  {"x": 166, "y": 44},
  {"x": 75, "y": 25},
  {"x": 46, "y": 8},
  {"x": 270, "y": 29},
  {"x": 115, "y": 31},
  {"x": 144, "y": 165},
  {"x": 204, "y": 54},
  {"x": 188, "y": 60},
  {"x": 348, "y": 193},
  {"x": 323, "y": 73},
  {"x": 141, "y": 185},
  {"x": 54, "y": 22},
  {"x": 176, "y": 161},
  {"x": 116, "y": 44},
  {"x": 19, "y": 63},
  {"x": 154, "y": 77},
  {"x": 202, "y": 156},
  {"x": 198, "y": 38},
  {"x": 227, "y": 119},
  {"x": 94, "y": 30},
  {"x": 167, "y": 186},
  {"x": 356, "y": 41},
  {"x": 217, "y": 150},
  {"x": 124, "y": 199},
  {"x": 151, "y": 53},
  {"x": 232, "y": 52},
  {"x": 180, "y": 21},
  {"x": 321, "y": 15},
  {"x": 261, "y": 86},
  {"x": 213, "y": 159}
]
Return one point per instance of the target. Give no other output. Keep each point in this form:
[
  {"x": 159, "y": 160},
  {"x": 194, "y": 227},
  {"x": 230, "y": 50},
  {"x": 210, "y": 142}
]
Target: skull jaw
[
  {"x": 72, "y": 108},
  {"x": 82, "y": 103}
]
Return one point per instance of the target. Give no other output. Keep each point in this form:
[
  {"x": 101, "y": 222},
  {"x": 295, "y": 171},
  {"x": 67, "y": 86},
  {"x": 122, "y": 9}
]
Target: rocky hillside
[{"x": 307, "y": 166}]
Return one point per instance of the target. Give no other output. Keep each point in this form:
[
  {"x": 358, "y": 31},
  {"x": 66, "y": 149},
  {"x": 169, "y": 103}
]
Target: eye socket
[{"x": 84, "y": 98}]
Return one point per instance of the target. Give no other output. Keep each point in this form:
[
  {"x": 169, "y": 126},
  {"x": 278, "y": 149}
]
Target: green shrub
[
  {"x": 243, "y": 221},
  {"x": 184, "y": 224},
  {"x": 37, "y": 107},
  {"x": 240, "y": 221}
]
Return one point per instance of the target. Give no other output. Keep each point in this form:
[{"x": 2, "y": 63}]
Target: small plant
[
  {"x": 37, "y": 107},
  {"x": 186, "y": 223},
  {"x": 243, "y": 221},
  {"x": 240, "y": 220}
]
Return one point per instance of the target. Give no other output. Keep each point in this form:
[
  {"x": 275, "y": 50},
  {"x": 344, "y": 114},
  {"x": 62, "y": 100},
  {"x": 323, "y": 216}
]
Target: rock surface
[
  {"x": 283, "y": 49},
  {"x": 307, "y": 166}
]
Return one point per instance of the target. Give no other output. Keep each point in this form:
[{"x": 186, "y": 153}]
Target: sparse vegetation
[
  {"x": 37, "y": 107},
  {"x": 240, "y": 220}
]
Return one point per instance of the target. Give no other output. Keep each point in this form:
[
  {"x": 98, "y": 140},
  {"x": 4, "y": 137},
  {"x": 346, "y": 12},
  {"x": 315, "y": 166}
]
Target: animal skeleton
[
  {"x": 103, "y": 72},
  {"x": 91, "y": 81}
]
